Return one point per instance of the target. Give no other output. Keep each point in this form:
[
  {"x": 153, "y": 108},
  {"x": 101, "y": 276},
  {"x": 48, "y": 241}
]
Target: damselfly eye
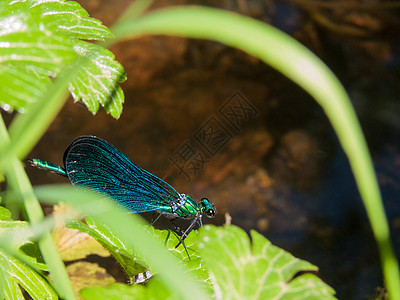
[
  {"x": 210, "y": 213},
  {"x": 207, "y": 207}
]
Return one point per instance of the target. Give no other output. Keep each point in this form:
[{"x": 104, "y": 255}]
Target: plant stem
[{"x": 19, "y": 182}]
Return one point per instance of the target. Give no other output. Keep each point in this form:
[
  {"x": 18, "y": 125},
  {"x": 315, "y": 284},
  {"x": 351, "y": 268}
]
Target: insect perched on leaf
[{"x": 96, "y": 164}]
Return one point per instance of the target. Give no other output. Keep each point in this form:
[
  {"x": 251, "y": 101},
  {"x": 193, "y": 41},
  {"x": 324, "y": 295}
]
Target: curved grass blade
[{"x": 296, "y": 62}]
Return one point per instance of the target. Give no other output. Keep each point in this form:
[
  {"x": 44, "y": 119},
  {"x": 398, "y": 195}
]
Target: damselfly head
[{"x": 207, "y": 207}]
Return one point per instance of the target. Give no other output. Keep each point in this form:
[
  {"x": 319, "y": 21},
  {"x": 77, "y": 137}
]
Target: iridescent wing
[{"x": 96, "y": 164}]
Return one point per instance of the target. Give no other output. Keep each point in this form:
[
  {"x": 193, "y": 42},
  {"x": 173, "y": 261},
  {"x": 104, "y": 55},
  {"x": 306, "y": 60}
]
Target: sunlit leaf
[
  {"x": 97, "y": 82},
  {"x": 70, "y": 19},
  {"x": 46, "y": 53},
  {"x": 13, "y": 96},
  {"x": 5, "y": 214},
  {"x": 16, "y": 273},
  {"x": 16, "y": 231},
  {"x": 15, "y": 270},
  {"x": 42, "y": 38},
  {"x": 256, "y": 269},
  {"x": 9, "y": 286}
]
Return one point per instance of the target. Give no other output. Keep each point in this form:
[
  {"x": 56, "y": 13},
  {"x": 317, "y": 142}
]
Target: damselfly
[{"x": 96, "y": 164}]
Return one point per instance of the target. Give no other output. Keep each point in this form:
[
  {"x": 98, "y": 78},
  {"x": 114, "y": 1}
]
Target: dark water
[{"x": 281, "y": 171}]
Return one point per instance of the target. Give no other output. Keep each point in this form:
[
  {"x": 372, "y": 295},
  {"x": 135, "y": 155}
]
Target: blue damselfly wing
[{"x": 94, "y": 163}]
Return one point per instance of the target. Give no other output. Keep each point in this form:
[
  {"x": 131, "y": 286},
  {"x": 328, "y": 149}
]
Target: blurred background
[{"x": 215, "y": 122}]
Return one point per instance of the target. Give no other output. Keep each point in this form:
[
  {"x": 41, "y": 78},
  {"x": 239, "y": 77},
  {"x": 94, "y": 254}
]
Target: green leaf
[
  {"x": 16, "y": 272},
  {"x": 47, "y": 53},
  {"x": 16, "y": 232},
  {"x": 259, "y": 270},
  {"x": 119, "y": 248},
  {"x": 236, "y": 269},
  {"x": 12, "y": 96},
  {"x": 70, "y": 19},
  {"x": 42, "y": 38},
  {"x": 25, "y": 39},
  {"x": 97, "y": 81},
  {"x": 5, "y": 214},
  {"x": 9, "y": 286},
  {"x": 195, "y": 265}
]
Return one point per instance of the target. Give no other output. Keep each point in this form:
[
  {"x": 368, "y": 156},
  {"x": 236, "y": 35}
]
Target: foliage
[
  {"x": 224, "y": 260},
  {"x": 240, "y": 269},
  {"x": 40, "y": 39},
  {"x": 23, "y": 269},
  {"x": 43, "y": 51}
]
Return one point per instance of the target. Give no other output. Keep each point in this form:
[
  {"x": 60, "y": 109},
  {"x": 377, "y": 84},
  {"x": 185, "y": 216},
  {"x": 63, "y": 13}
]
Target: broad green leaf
[
  {"x": 24, "y": 39},
  {"x": 13, "y": 96},
  {"x": 15, "y": 270},
  {"x": 9, "y": 288},
  {"x": 18, "y": 234},
  {"x": 45, "y": 52},
  {"x": 5, "y": 214},
  {"x": 42, "y": 38},
  {"x": 70, "y": 19},
  {"x": 170, "y": 239},
  {"x": 308, "y": 286},
  {"x": 97, "y": 81},
  {"x": 241, "y": 269},
  {"x": 195, "y": 265}
]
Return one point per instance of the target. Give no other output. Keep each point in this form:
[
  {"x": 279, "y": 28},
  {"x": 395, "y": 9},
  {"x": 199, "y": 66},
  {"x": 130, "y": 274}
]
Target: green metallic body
[{"x": 44, "y": 165}]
